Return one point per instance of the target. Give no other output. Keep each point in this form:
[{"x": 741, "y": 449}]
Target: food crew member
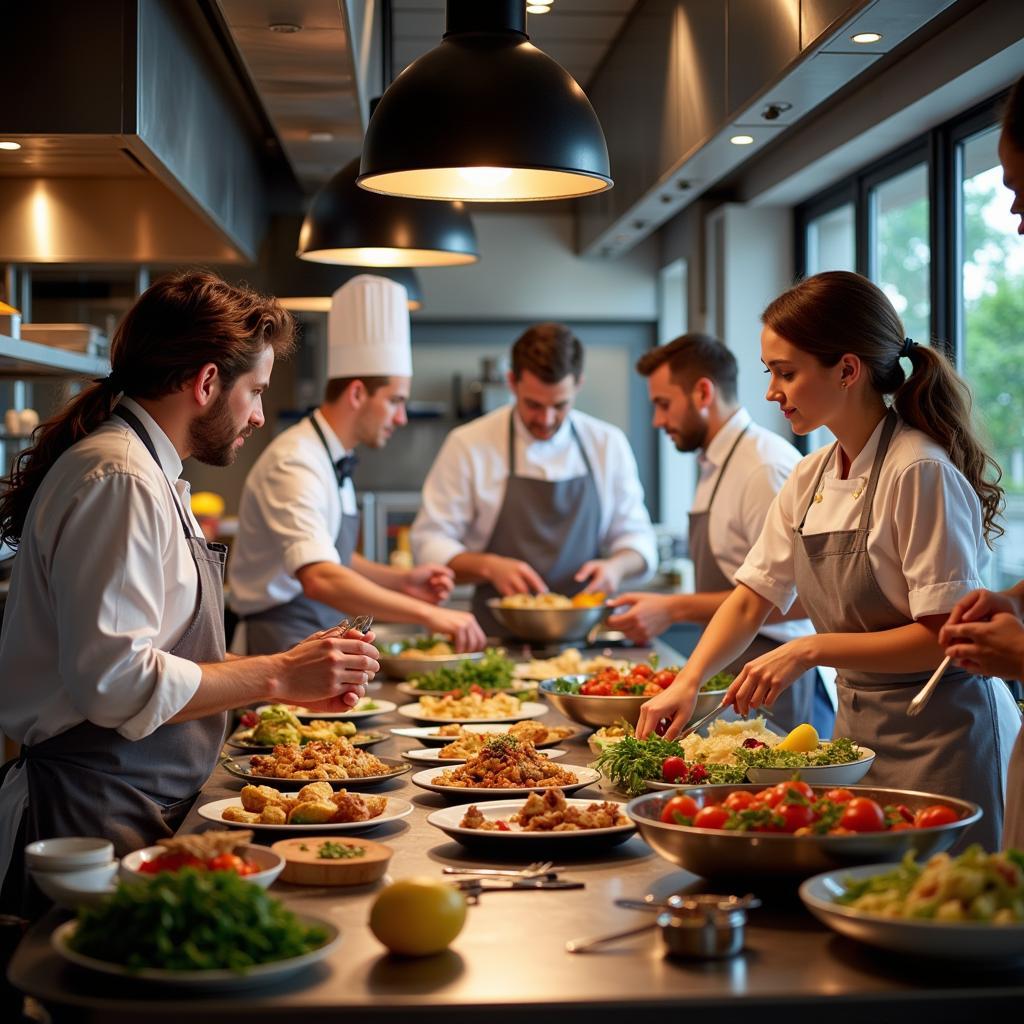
[
  {"x": 112, "y": 658},
  {"x": 692, "y": 385},
  {"x": 879, "y": 535},
  {"x": 537, "y": 496},
  {"x": 294, "y": 567}
]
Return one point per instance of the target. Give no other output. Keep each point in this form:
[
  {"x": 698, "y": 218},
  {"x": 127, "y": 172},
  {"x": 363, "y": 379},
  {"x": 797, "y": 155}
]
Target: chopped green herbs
[
  {"x": 719, "y": 681},
  {"x": 330, "y": 850},
  {"x": 840, "y": 751},
  {"x": 491, "y": 672},
  {"x": 632, "y": 763}
]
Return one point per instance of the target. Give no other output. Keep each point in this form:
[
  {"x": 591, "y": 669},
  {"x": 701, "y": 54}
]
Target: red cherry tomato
[
  {"x": 863, "y": 815},
  {"x": 679, "y": 807},
  {"x": 226, "y": 862},
  {"x": 663, "y": 678},
  {"x": 642, "y": 671},
  {"x": 937, "y": 814},
  {"x": 769, "y": 797},
  {"x": 674, "y": 769},
  {"x": 739, "y": 801},
  {"x": 794, "y": 816},
  {"x": 711, "y": 817},
  {"x": 839, "y": 796},
  {"x": 798, "y": 786}
]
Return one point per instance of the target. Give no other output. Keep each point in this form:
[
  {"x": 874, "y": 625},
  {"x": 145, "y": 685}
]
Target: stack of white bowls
[{"x": 73, "y": 870}]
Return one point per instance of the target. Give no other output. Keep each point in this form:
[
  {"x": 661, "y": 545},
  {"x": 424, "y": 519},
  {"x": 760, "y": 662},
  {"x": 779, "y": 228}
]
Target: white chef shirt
[
  {"x": 925, "y": 541},
  {"x": 104, "y": 584},
  {"x": 465, "y": 488},
  {"x": 759, "y": 467},
  {"x": 289, "y": 516}
]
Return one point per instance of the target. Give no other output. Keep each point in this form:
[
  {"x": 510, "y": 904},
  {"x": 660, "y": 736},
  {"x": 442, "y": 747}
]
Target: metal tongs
[
  {"x": 360, "y": 624},
  {"x": 473, "y": 888},
  {"x": 714, "y": 713}
]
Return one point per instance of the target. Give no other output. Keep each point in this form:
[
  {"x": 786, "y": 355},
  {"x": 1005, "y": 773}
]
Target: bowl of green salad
[{"x": 424, "y": 654}]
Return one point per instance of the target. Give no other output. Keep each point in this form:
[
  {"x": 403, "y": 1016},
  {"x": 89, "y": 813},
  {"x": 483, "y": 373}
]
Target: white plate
[
  {"x": 394, "y": 810},
  {"x": 432, "y": 755},
  {"x": 447, "y": 820},
  {"x": 427, "y": 735},
  {"x": 949, "y": 940},
  {"x": 220, "y": 979},
  {"x": 271, "y": 864},
  {"x": 425, "y": 780},
  {"x": 527, "y": 709},
  {"x": 359, "y": 711},
  {"x": 818, "y": 775},
  {"x": 241, "y": 768},
  {"x": 518, "y": 686}
]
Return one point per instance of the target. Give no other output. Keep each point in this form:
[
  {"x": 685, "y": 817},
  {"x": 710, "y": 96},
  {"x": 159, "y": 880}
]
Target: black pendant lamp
[
  {"x": 348, "y": 225},
  {"x": 485, "y": 116}
]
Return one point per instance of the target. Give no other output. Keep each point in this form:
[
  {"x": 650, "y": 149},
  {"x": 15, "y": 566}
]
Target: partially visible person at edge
[
  {"x": 692, "y": 383},
  {"x": 985, "y": 632},
  {"x": 848, "y": 535},
  {"x": 294, "y": 564},
  {"x": 115, "y": 680}
]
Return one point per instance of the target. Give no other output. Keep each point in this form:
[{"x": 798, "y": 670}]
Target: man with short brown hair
[{"x": 536, "y": 496}]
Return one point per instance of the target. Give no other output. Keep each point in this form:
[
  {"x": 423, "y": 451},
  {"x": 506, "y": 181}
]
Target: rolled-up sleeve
[
  {"x": 629, "y": 524},
  {"x": 448, "y": 506},
  {"x": 107, "y": 587},
  {"x": 937, "y": 522},
  {"x": 769, "y": 567}
]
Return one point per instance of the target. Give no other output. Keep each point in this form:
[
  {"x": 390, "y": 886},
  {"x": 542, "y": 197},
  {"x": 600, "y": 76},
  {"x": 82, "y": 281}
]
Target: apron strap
[
  {"x": 880, "y": 453},
  {"x": 725, "y": 466},
  {"x": 133, "y": 421},
  {"x": 327, "y": 448}
]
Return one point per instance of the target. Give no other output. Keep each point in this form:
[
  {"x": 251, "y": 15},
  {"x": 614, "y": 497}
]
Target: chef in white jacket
[
  {"x": 294, "y": 568},
  {"x": 537, "y": 496}
]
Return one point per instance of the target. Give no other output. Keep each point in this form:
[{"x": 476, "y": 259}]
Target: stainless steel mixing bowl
[{"x": 547, "y": 625}]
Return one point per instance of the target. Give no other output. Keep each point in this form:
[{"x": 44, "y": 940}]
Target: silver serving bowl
[
  {"x": 600, "y": 711},
  {"x": 713, "y": 852},
  {"x": 397, "y": 667},
  {"x": 547, "y": 625}
]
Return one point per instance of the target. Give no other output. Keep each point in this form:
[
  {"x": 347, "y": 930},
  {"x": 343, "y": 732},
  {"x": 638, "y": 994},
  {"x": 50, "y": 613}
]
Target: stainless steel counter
[{"x": 510, "y": 965}]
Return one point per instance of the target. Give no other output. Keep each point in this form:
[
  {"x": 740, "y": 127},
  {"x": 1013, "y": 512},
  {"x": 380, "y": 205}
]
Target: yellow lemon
[
  {"x": 802, "y": 740},
  {"x": 418, "y": 916}
]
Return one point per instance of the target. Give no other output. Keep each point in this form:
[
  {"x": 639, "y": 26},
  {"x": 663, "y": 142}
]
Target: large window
[{"x": 831, "y": 240}]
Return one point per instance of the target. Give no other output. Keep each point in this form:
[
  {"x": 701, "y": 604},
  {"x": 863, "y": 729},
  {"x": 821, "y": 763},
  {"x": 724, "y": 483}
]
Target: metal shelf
[{"x": 19, "y": 358}]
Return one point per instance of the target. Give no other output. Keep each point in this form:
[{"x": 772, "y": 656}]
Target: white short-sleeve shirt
[
  {"x": 465, "y": 488},
  {"x": 925, "y": 543},
  {"x": 289, "y": 516}
]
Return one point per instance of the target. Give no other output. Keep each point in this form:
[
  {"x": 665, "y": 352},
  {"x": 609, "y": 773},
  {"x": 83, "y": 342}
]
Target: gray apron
[
  {"x": 960, "y": 743},
  {"x": 1013, "y": 828},
  {"x": 91, "y": 781},
  {"x": 552, "y": 525},
  {"x": 795, "y": 704},
  {"x": 281, "y": 627}
]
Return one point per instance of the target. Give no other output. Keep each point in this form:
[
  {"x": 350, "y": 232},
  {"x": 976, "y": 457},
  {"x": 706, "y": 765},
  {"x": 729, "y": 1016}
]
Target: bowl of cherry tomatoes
[
  {"x": 256, "y": 864},
  {"x": 795, "y": 829},
  {"x": 608, "y": 695}
]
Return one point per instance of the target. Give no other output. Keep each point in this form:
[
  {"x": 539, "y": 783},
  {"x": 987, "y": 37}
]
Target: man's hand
[
  {"x": 601, "y": 574},
  {"x": 992, "y": 648},
  {"x": 462, "y": 627},
  {"x": 648, "y": 615},
  {"x": 762, "y": 680},
  {"x": 430, "y": 582},
  {"x": 512, "y": 576},
  {"x": 326, "y": 672}
]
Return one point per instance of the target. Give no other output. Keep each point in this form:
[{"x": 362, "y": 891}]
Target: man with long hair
[{"x": 114, "y": 675}]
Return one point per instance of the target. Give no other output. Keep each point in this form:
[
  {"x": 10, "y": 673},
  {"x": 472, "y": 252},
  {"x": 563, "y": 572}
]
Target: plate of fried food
[
  {"x": 504, "y": 767},
  {"x": 338, "y": 763},
  {"x": 544, "y": 817},
  {"x": 539, "y": 734},
  {"x": 472, "y": 706},
  {"x": 275, "y": 724},
  {"x": 442, "y": 755},
  {"x": 316, "y": 807}
]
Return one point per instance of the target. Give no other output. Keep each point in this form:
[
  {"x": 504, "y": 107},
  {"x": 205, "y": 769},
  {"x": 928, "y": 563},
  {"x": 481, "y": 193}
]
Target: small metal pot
[{"x": 704, "y": 927}]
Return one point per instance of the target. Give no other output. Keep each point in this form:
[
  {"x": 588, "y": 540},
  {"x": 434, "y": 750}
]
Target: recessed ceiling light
[
  {"x": 284, "y": 27},
  {"x": 742, "y": 140},
  {"x": 10, "y": 145},
  {"x": 867, "y": 37},
  {"x": 321, "y": 136},
  {"x": 538, "y": 8}
]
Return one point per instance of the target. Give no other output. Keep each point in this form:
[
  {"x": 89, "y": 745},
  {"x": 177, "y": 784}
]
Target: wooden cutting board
[{"x": 305, "y": 866}]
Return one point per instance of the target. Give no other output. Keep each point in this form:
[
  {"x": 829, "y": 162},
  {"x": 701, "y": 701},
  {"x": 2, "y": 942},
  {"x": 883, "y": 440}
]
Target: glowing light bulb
[{"x": 485, "y": 177}]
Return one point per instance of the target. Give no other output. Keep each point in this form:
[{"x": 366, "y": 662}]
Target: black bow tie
[{"x": 344, "y": 467}]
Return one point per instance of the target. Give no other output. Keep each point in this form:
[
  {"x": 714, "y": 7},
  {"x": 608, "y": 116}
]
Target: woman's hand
[
  {"x": 675, "y": 703},
  {"x": 763, "y": 679},
  {"x": 993, "y": 648},
  {"x": 977, "y": 606}
]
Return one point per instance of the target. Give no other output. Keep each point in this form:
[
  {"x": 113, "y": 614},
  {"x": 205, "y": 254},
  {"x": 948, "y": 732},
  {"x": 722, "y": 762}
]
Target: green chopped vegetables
[
  {"x": 331, "y": 850},
  {"x": 718, "y": 682},
  {"x": 632, "y": 763},
  {"x": 193, "y": 921},
  {"x": 839, "y": 751},
  {"x": 569, "y": 686},
  {"x": 491, "y": 672}
]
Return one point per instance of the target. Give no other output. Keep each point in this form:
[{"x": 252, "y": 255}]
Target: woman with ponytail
[
  {"x": 113, "y": 675},
  {"x": 879, "y": 535}
]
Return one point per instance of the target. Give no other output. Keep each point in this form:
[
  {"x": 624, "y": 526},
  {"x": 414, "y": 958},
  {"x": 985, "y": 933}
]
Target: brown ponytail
[
  {"x": 837, "y": 312},
  {"x": 179, "y": 324}
]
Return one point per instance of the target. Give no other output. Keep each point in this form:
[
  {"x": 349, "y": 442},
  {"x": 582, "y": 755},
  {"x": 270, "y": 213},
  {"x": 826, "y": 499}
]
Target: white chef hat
[{"x": 368, "y": 329}]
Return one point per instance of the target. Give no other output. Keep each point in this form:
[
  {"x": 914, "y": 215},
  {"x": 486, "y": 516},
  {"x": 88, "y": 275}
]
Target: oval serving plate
[
  {"x": 425, "y": 780},
  {"x": 432, "y": 755},
  {"x": 219, "y": 980},
  {"x": 238, "y": 741},
  {"x": 239, "y": 767},
  {"x": 427, "y": 735},
  {"x": 527, "y": 709},
  {"x": 394, "y": 810},
  {"x": 366, "y": 708}
]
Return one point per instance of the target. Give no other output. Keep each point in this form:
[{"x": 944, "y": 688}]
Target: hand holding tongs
[
  {"x": 916, "y": 706},
  {"x": 714, "y": 713},
  {"x": 360, "y": 624}
]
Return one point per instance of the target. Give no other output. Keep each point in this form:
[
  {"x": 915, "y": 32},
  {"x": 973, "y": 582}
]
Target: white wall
[{"x": 529, "y": 270}]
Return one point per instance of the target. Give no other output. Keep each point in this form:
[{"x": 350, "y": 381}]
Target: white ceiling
[{"x": 306, "y": 80}]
